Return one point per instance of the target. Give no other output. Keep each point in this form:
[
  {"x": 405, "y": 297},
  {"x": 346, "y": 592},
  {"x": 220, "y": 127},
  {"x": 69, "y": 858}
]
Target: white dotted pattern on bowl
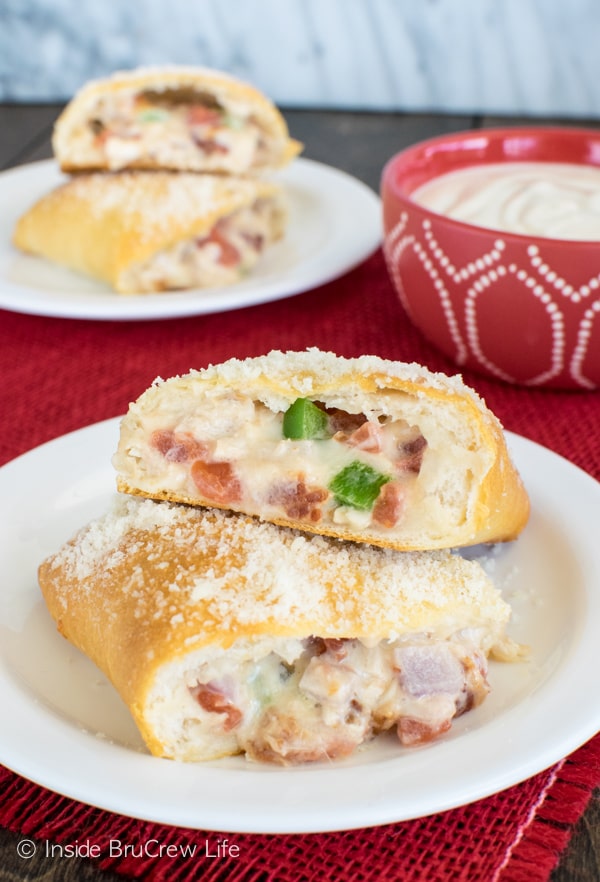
[{"x": 538, "y": 279}]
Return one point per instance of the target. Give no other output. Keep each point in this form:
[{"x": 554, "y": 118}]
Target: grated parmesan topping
[
  {"x": 158, "y": 71},
  {"x": 305, "y": 371},
  {"x": 231, "y": 574},
  {"x": 159, "y": 77},
  {"x": 163, "y": 198}
]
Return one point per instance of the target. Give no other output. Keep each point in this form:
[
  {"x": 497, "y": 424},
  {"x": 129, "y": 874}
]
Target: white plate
[
  {"x": 334, "y": 224},
  {"x": 64, "y": 727}
]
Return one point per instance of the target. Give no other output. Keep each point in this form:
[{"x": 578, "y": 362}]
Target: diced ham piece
[
  {"x": 208, "y": 145},
  {"x": 178, "y": 446},
  {"x": 410, "y": 455},
  {"x": 341, "y": 421},
  {"x": 389, "y": 505},
  {"x": 476, "y": 685},
  {"x": 367, "y": 437},
  {"x": 412, "y": 732},
  {"x": 212, "y": 699},
  {"x": 298, "y": 500},
  {"x": 216, "y": 481},
  {"x": 255, "y": 240},
  {"x": 429, "y": 670},
  {"x": 336, "y": 647}
]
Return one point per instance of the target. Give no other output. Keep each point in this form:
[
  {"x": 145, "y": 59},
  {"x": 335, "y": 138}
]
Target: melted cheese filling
[
  {"x": 224, "y": 256},
  {"x": 127, "y": 129},
  {"x": 320, "y": 699},
  {"x": 232, "y": 453},
  {"x": 268, "y": 474}
]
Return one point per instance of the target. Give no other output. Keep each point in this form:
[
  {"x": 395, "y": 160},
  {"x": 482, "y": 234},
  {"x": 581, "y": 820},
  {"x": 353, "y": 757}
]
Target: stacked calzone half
[
  {"x": 226, "y": 636},
  {"x": 291, "y": 588},
  {"x": 176, "y": 117},
  {"x": 170, "y": 184},
  {"x": 155, "y": 231},
  {"x": 363, "y": 449}
]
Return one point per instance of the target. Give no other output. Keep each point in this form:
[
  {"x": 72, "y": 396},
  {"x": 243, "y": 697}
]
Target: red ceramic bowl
[{"x": 521, "y": 309}]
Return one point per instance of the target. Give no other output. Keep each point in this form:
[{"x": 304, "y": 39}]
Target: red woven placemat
[
  {"x": 515, "y": 836},
  {"x": 59, "y": 375}
]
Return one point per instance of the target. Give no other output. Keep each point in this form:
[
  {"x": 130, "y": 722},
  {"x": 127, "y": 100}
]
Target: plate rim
[{"x": 316, "y": 177}]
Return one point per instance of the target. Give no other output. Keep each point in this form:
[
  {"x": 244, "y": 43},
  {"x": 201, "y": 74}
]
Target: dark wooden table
[{"x": 359, "y": 143}]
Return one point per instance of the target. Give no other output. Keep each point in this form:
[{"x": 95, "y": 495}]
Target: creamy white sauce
[
  {"x": 190, "y": 263},
  {"x": 316, "y": 702},
  {"x": 169, "y": 139},
  {"x": 553, "y": 200}
]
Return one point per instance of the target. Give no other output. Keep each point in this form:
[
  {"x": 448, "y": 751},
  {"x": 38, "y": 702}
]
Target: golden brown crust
[
  {"x": 150, "y": 583},
  {"x": 104, "y": 225},
  {"x": 499, "y": 505}
]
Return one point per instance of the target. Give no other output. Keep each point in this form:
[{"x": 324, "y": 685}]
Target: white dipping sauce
[{"x": 554, "y": 200}]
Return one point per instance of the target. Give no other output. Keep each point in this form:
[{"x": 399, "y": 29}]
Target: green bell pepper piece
[
  {"x": 303, "y": 419},
  {"x": 357, "y": 485},
  {"x": 153, "y": 114},
  {"x": 233, "y": 122}
]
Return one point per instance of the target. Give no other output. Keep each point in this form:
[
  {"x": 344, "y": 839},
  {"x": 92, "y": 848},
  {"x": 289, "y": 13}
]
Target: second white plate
[
  {"x": 65, "y": 727},
  {"x": 334, "y": 224}
]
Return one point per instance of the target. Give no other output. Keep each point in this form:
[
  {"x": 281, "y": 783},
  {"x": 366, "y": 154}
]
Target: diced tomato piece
[
  {"x": 212, "y": 699},
  {"x": 389, "y": 505},
  {"x": 178, "y": 446},
  {"x": 216, "y": 481},
  {"x": 228, "y": 254},
  {"x": 102, "y": 137},
  {"x": 198, "y": 115}
]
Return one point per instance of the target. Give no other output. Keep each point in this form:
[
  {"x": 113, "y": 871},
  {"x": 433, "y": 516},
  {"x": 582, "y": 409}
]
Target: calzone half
[
  {"x": 226, "y": 635},
  {"x": 175, "y": 117},
  {"x": 155, "y": 231},
  {"x": 362, "y": 448}
]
